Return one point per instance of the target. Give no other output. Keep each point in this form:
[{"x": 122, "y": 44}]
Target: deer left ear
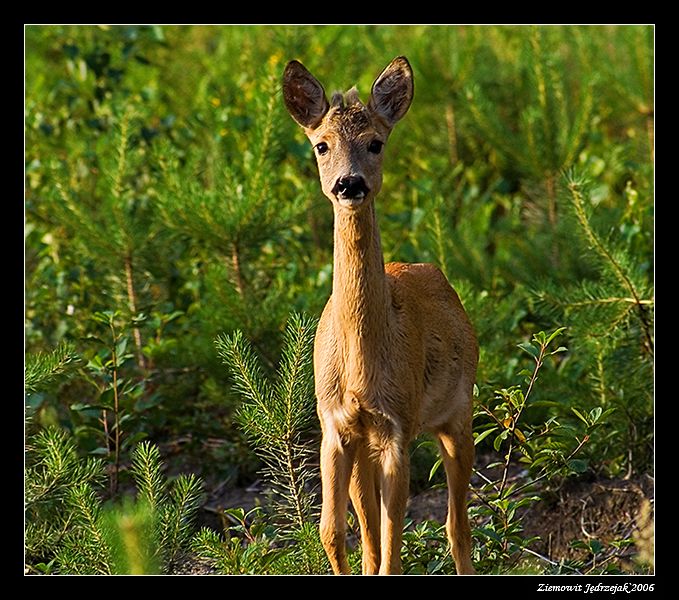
[{"x": 392, "y": 91}]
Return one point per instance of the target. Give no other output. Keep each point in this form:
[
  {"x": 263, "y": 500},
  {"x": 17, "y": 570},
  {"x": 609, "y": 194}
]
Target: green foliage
[
  {"x": 69, "y": 530},
  {"x": 425, "y": 550},
  {"x": 544, "y": 134},
  {"x": 234, "y": 556},
  {"x": 130, "y": 535},
  {"x": 173, "y": 508},
  {"x": 253, "y": 545},
  {"x": 42, "y": 369},
  {"x": 547, "y": 450},
  {"x": 276, "y": 415},
  {"x": 611, "y": 323},
  {"x": 56, "y": 481}
]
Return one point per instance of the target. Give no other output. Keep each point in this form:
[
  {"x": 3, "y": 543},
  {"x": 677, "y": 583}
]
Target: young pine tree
[
  {"x": 610, "y": 322},
  {"x": 276, "y": 416},
  {"x": 69, "y": 530}
]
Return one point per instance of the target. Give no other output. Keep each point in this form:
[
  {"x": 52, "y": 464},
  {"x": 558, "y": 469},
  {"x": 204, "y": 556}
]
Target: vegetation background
[{"x": 178, "y": 249}]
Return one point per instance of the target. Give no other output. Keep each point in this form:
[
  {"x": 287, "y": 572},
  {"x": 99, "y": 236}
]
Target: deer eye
[
  {"x": 322, "y": 148},
  {"x": 375, "y": 147}
]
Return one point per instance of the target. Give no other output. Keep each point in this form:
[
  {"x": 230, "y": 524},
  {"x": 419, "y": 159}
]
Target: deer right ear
[{"x": 304, "y": 96}]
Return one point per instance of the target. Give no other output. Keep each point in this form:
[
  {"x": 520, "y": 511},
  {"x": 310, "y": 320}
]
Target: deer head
[{"x": 348, "y": 136}]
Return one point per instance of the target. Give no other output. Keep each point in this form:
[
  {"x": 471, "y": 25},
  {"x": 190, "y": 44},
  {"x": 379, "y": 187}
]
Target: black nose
[{"x": 350, "y": 186}]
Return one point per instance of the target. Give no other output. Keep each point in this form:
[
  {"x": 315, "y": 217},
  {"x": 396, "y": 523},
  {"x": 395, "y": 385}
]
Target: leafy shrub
[{"x": 69, "y": 530}]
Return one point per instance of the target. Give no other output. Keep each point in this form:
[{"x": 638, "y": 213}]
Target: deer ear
[
  {"x": 392, "y": 91},
  {"x": 304, "y": 96}
]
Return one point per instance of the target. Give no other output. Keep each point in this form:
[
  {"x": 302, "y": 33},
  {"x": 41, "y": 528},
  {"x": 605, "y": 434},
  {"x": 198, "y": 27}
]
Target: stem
[
  {"x": 452, "y": 134},
  {"x": 116, "y": 415},
  {"x": 107, "y": 437},
  {"x": 438, "y": 237},
  {"x": 546, "y": 473},
  {"x": 132, "y": 303},
  {"x": 289, "y": 453},
  {"x": 650, "y": 129},
  {"x": 552, "y": 216},
  {"x": 235, "y": 263},
  {"x": 611, "y": 300},
  {"x": 515, "y": 417},
  {"x": 600, "y": 374},
  {"x": 551, "y": 562}
]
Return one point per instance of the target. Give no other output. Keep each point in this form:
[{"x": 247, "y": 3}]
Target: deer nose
[{"x": 350, "y": 187}]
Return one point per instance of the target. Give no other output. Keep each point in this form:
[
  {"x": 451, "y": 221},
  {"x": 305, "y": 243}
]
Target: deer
[{"x": 395, "y": 353}]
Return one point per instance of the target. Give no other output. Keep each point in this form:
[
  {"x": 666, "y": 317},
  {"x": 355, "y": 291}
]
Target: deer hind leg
[
  {"x": 364, "y": 494},
  {"x": 336, "y": 463},
  {"x": 457, "y": 452},
  {"x": 394, "y": 478}
]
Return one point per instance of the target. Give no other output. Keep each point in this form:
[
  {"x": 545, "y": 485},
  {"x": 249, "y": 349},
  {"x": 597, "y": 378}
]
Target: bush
[{"x": 69, "y": 530}]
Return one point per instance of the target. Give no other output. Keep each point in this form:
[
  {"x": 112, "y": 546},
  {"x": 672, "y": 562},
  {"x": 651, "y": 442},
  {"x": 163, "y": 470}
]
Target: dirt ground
[{"x": 602, "y": 511}]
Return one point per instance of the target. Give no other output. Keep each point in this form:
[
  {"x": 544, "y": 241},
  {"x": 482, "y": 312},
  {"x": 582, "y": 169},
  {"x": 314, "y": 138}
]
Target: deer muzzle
[{"x": 350, "y": 190}]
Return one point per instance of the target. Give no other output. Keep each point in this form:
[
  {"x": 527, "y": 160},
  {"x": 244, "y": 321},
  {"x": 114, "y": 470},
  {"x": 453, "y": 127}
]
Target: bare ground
[
  {"x": 613, "y": 516},
  {"x": 604, "y": 511}
]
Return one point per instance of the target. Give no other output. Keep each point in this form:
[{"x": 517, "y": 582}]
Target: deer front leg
[
  {"x": 364, "y": 494},
  {"x": 336, "y": 463},
  {"x": 395, "y": 475}
]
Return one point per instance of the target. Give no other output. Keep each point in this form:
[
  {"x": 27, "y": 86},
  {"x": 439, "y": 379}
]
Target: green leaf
[
  {"x": 78, "y": 406},
  {"x": 105, "y": 317},
  {"x": 83, "y": 430},
  {"x": 555, "y": 333},
  {"x": 577, "y": 465},
  {"x": 435, "y": 468},
  {"x": 595, "y": 414},
  {"x": 107, "y": 399},
  {"x": 516, "y": 398},
  {"x": 237, "y": 514},
  {"x": 120, "y": 349},
  {"x": 541, "y": 338},
  {"x": 530, "y": 349},
  {"x": 490, "y": 533},
  {"x": 121, "y": 359},
  {"x": 172, "y": 316},
  {"x": 483, "y": 435},
  {"x": 497, "y": 442},
  {"x": 139, "y": 319},
  {"x": 580, "y": 415},
  {"x": 527, "y": 373},
  {"x": 95, "y": 363}
]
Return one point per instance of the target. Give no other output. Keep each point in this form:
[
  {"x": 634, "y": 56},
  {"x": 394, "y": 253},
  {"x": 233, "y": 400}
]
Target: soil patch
[{"x": 602, "y": 513}]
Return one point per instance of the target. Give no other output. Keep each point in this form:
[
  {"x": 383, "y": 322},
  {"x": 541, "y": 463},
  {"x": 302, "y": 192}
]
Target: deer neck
[{"x": 359, "y": 295}]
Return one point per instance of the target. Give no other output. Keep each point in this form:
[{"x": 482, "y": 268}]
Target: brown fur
[{"x": 395, "y": 353}]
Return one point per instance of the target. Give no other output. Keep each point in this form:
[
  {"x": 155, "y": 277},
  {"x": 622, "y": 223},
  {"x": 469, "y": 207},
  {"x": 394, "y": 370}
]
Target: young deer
[{"x": 395, "y": 353}]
